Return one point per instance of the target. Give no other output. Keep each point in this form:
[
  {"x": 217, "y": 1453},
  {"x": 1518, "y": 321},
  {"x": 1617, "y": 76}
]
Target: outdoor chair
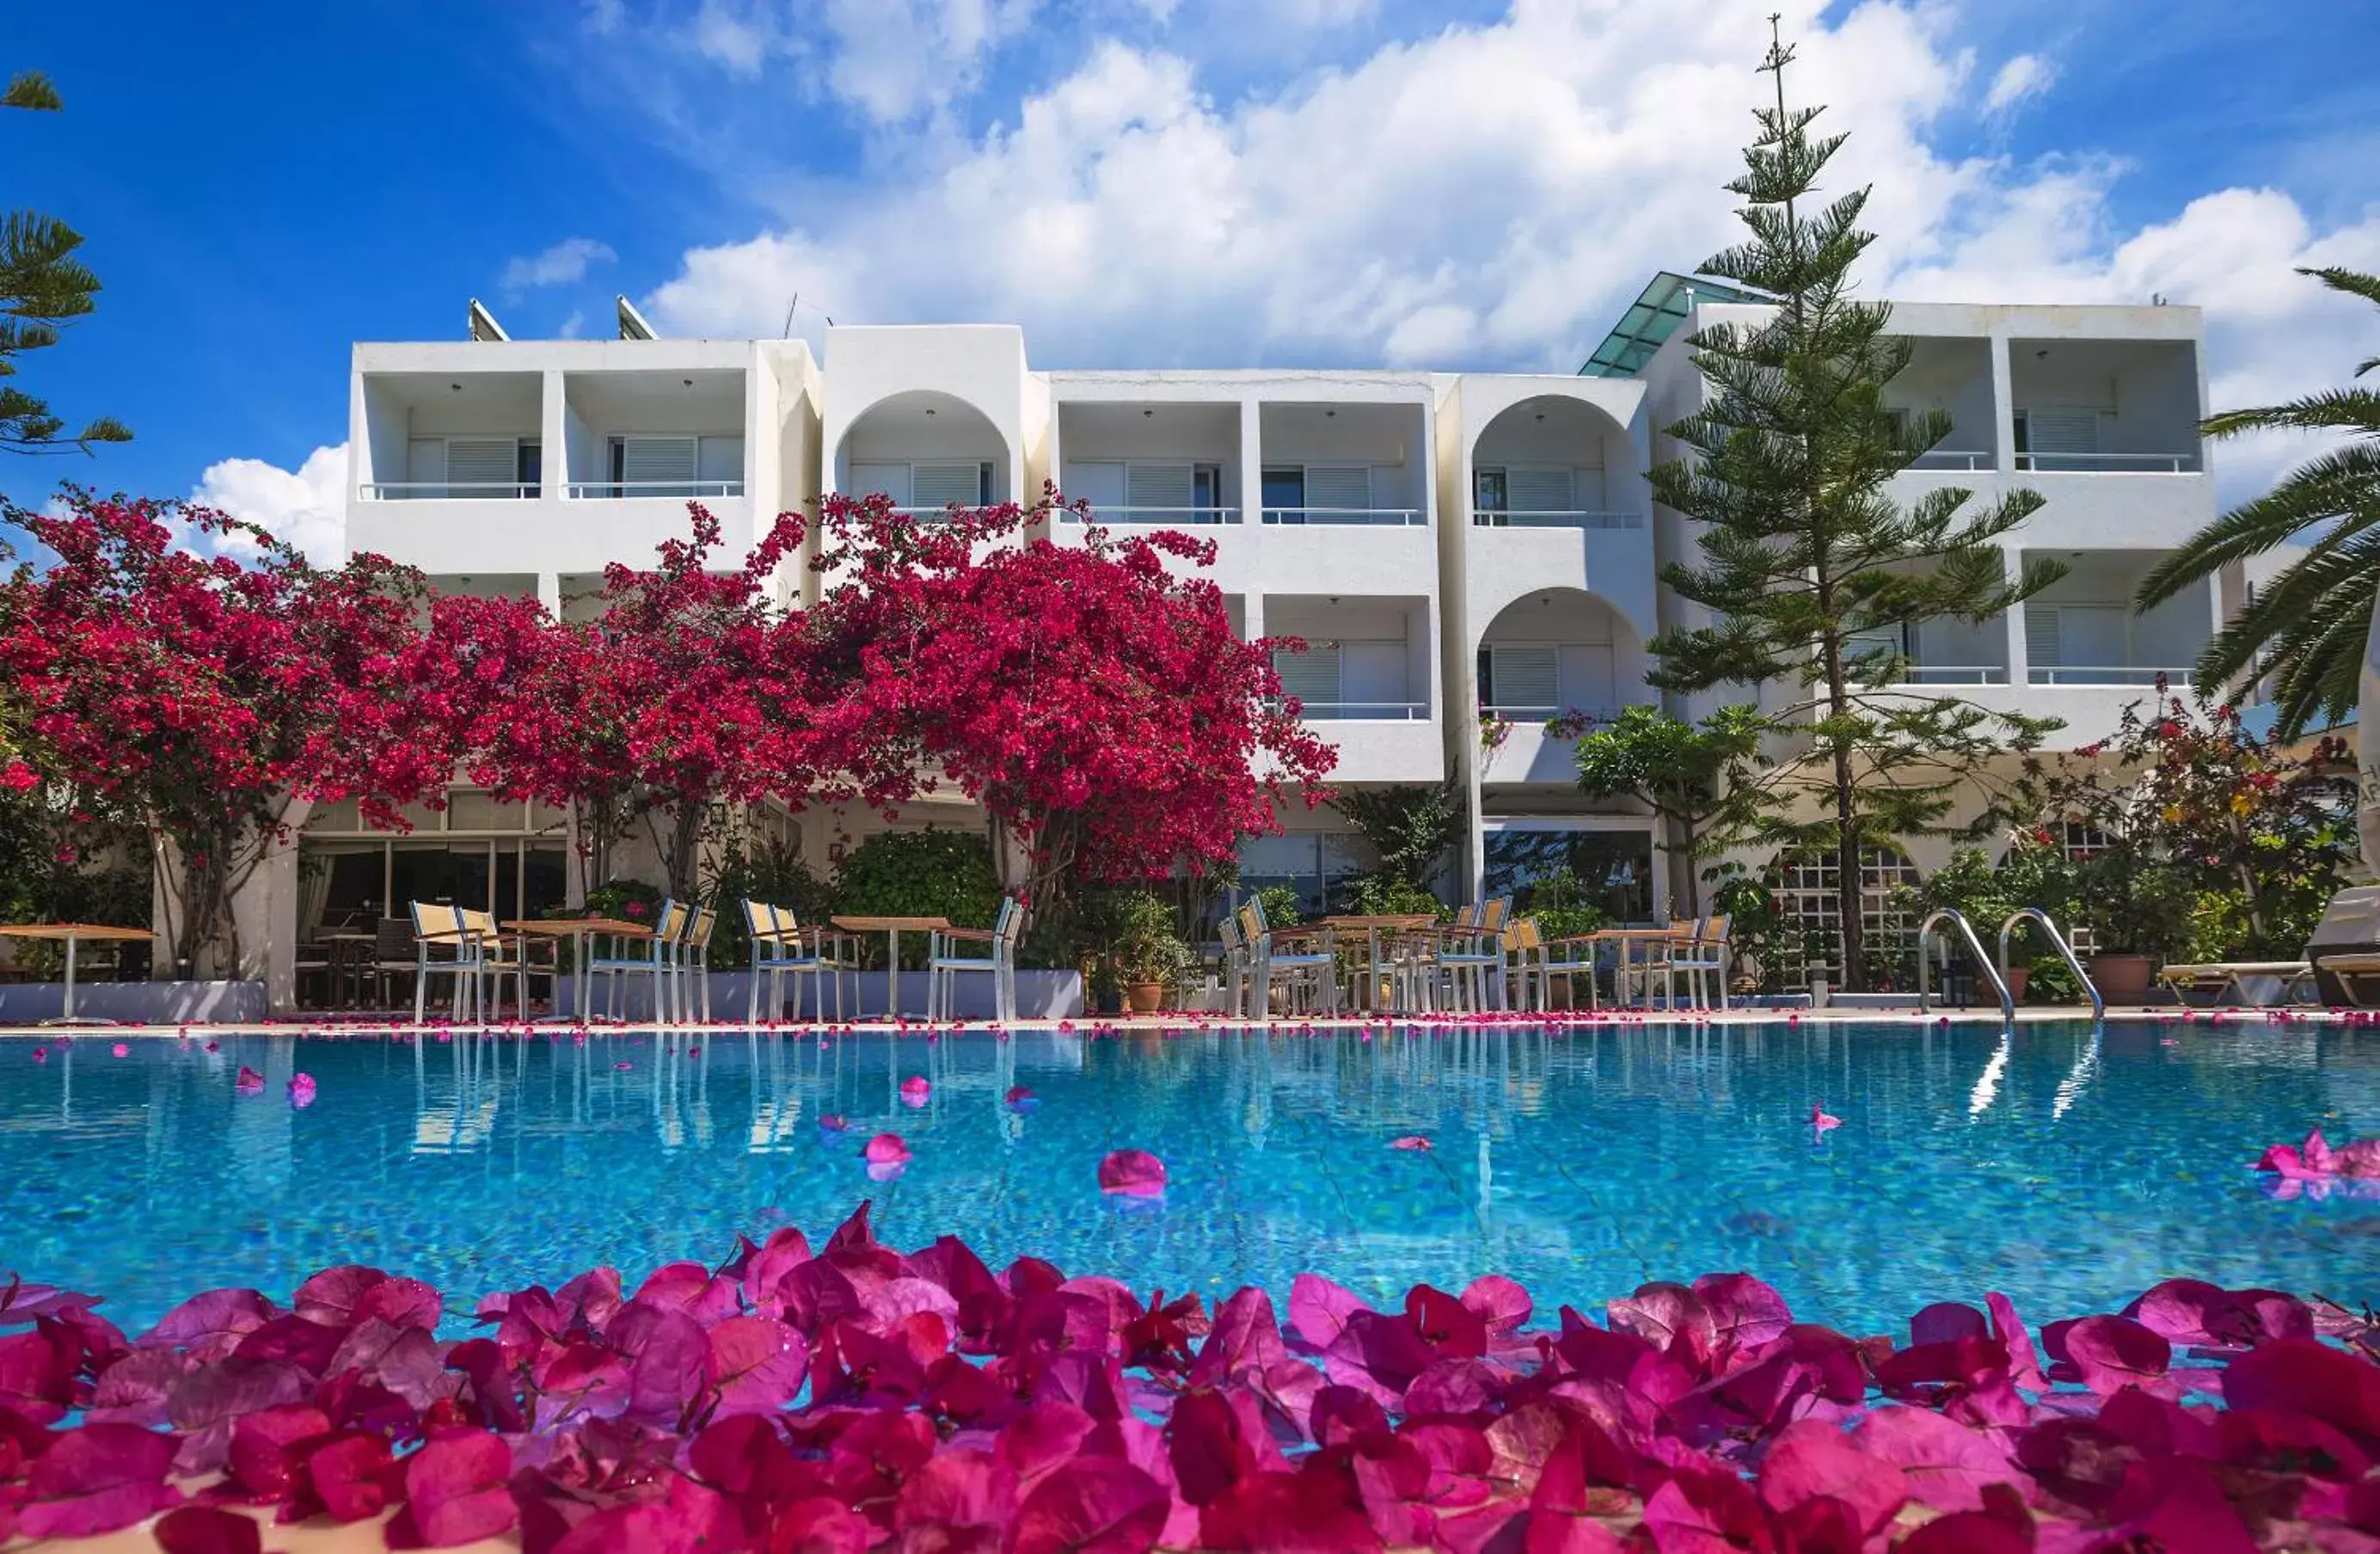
[
  {"x": 444, "y": 946},
  {"x": 1313, "y": 973},
  {"x": 944, "y": 965},
  {"x": 694, "y": 963},
  {"x": 1524, "y": 964},
  {"x": 1471, "y": 961},
  {"x": 500, "y": 958},
  {"x": 1660, "y": 962},
  {"x": 1238, "y": 966},
  {"x": 392, "y": 958},
  {"x": 653, "y": 958},
  {"x": 1704, "y": 960},
  {"x": 780, "y": 948}
]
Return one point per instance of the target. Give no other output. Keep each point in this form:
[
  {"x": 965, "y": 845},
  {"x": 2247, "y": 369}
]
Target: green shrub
[
  {"x": 772, "y": 873},
  {"x": 927, "y": 873},
  {"x": 1384, "y": 896}
]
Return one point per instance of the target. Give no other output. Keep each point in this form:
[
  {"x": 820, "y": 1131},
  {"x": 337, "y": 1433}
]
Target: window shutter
[
  {"x": 1540, "y": 490},
  {"x": 2041, "y": 640},
  {"x": 491, "y": 462},
  {"x": 1312, "y": 676},
  {"x": 649, "y": 462},
  {"x": 1166, "y": 486},
  {"x": 1344, "y": 488},
  {"x": 939, "y": 485},
  {"x": 1100, "y": 484},
  {"x": 1528, "y": 679},
  {"x": 881, "y": 479},
  {"x": 2061, "y": 431}
]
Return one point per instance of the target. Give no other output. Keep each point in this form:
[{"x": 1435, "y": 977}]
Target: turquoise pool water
[{"x": 2069, "y": 1169}]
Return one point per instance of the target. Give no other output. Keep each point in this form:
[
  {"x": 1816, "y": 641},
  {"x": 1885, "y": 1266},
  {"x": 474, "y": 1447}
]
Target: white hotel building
[{"x": 1447, "y": 543}]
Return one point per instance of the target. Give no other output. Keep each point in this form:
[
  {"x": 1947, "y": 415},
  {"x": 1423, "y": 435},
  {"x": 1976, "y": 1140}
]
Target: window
[
  {"x": 939, "y": 485},
  {"x": 1521, "y": 680},
  {"x": 1285, "y": 496},
  {"x": 1308, "y": 862},
  {"x": 1490, "y": 498},
  {"x": 1318, "y": 493},
  {"x": 475, "y": 468},
  {"x": 643, "y": 465},
  {"x": 1615, "y": 867},
  {"x": 2055, "y": 438},
  {"x": 1311, "y": 676}
]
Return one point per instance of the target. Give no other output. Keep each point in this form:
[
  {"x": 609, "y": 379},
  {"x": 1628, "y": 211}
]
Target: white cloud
[
  {"x": 2025, "y": 75},
  {"x": 563, "y": 264},
  {"x": 894, "y": 61},
  {"x": 307, "y": 507},
  {"x": 1488, "y": 196},
  {"x": 570, "y": 328}
]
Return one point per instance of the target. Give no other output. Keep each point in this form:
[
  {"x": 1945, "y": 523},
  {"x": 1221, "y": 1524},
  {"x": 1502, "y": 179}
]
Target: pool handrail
[
  {"x": 1967, "y": 931},
  {"x": 2057, "y": 942}
]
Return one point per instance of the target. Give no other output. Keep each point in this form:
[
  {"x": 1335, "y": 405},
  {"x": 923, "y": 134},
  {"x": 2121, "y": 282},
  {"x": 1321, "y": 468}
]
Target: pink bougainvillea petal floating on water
[
  {"x": 1134, "y": 1172},
  {"x": 121, "y": 1049},
  {"x": 1019, "y": 1099},
  {"x": 916, "y": 1090},
  {"x": 1821, "y": 1121},
  {"x": 830, "y": 1121},
  {"x": 942, "y": 1405},
  {"x": 1411, "y": 1141},
  {"x": 2317, "y": 1159},
  {"x": 250, "y": 1082},
  {"x": 885, "y": 1148}
]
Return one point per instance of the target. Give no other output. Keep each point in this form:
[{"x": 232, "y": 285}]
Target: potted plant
[
  {"x": 1146, "y": 952},
  {"x": 1969, "y": 886},
  {"x": 2137, "y": 906}
]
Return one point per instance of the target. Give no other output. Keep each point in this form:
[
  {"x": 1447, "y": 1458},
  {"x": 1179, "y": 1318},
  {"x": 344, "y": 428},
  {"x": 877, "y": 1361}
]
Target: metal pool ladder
[
  {"x": 1975, "y": 946},
  {"x": 2057, "y": 942}
]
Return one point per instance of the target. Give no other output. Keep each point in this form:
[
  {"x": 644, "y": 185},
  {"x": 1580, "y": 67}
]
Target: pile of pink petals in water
[
  {"x": 2315, "y": 1169},
  {"x": 829, "y": 1401}
]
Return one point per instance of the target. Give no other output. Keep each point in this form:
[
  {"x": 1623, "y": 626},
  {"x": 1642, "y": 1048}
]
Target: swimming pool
[{"x": 2067, "y": 1169}]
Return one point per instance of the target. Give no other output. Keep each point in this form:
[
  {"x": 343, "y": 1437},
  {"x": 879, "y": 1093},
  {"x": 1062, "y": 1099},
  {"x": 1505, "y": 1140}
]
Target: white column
[
  {"x": 553, "y": 421},
  {"x": 1251, "y": 461},
  {"x": 2003, "y": 407},
  {"x": 548, "y": 592},
  {"x": 2012, "y": 620}
]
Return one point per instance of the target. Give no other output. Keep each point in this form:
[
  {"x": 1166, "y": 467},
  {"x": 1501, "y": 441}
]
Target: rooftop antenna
[
  {"x": 483, "y": 324},
  {"x": 787, "y": 333},
  {"x": 632, "y": 322}
]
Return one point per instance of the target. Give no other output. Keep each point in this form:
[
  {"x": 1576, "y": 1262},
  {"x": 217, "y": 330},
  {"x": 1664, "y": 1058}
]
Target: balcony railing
[
  {"x": 441, "y": 491},
  {"x": 1555, "y": 520},
  {"x": 1955, "y": 458},
  {"x": 2106, "y": 675},
  {"x": 1390, "y": 517},
  {"x": 612, "y": 491},
  {"x": 2149, "y": 464},
  {"x": 1360, "y": 711},
  {"x": 1511, "y": 714},
  {"x": 1953, "y": 674},
  {"x": 1121, "y": 516}
]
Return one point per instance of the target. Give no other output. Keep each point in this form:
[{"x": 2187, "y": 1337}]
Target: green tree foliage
[
  {"x": 43, "y": 286},
  {"x": 1811, "y": 574},
  {"x": 1411, "y": 828},
  {"x": 2310, "y": 627},
  {"x": 1701, "y": 781}
]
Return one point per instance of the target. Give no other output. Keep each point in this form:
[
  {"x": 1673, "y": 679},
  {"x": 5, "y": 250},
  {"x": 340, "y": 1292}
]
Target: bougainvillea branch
[
  {"x": 1091, "y": 696},
  {"x": 851, "y": 1397},
  {"x": 213, "y": 692}
]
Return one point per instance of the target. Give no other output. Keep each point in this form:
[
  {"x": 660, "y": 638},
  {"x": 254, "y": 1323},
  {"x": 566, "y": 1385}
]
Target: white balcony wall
[
  {"x": 1126, "y": 458},
  {"x": 880, "y": 381},
  {"x": 1952, "y": 376},
  {"x": 1355, "y": 463},
  {"x": 2082, "y": 630},
  {"x": 2114, "y": 405}
]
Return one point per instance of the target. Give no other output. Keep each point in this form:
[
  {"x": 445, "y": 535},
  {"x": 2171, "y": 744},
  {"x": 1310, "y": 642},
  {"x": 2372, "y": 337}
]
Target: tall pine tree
[
  {"x": 1813, "y": 576},
  {"x": 43, "y": 286}
]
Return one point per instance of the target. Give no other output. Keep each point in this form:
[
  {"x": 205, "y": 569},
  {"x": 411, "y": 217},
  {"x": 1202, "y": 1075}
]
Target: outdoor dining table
[
  {"x": 73, "y": 934},
  {"x": 578, "y": 930},
  {"x": 1371, "y": 926},
  {"x": 891, "y": 928},
  {"x": 1627, "y": 939},
  {"x": 344, "y": 949}
]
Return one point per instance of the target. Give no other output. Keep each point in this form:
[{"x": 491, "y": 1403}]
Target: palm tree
[{"x": 2307, "y": 629}]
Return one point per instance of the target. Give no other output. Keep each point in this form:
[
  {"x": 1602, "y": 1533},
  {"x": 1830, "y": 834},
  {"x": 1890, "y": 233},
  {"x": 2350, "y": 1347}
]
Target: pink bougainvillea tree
[
  {"x": 213, "y": 694},
  {"x": 682, "y": 688},
  {"x": 1092, "y": 697}
]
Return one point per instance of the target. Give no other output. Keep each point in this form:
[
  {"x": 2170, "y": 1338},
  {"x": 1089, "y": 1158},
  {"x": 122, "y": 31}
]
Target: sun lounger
[
  {"x": 2349, "y": 970},
  {"x": 2250, "y": 982}
]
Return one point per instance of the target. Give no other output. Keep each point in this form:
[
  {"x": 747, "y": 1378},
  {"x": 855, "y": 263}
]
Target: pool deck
[{"x": 1190, "y": 1023}]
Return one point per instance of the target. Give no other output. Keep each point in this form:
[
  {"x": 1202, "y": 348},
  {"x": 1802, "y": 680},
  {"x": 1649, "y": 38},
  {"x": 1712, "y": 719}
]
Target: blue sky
[{"x": 1137, "y": 181}]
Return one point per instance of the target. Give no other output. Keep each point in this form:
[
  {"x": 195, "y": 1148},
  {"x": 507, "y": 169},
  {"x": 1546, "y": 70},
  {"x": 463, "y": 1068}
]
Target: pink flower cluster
[{"x": 852, "y": 1397}]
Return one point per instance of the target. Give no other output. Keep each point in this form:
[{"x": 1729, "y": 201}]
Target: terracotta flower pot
[
  {"x": 1146, "y": 998},
  {"x": 2123, "y": 979},
  {"x": 2016, "y": 976}
]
